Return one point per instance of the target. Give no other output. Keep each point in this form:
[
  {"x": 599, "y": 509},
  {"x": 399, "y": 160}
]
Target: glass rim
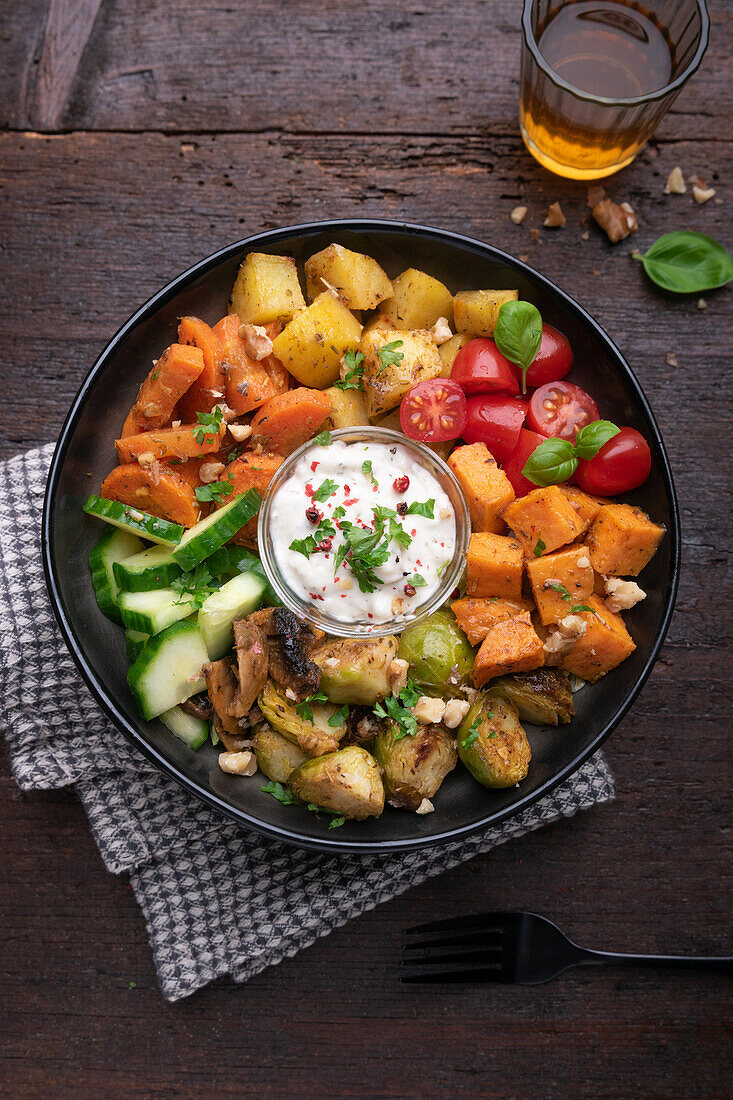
[
  {"x": 360, "y": 629},
  {"x": 632, "y": 101}
]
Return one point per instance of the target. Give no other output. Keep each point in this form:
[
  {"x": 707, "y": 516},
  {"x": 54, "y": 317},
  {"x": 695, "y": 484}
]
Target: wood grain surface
[{"x": 139, "y": 136}]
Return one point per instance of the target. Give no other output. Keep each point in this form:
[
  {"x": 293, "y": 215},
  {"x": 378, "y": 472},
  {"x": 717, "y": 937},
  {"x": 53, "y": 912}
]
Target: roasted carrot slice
[
  {"x": 178, "y": 367},
  {"x": 157, "y": 489},
  {"x": 290, "y": 419},
  {"x": 251, "y": 471},
  {"x": 169, "y": 443},
  {"x": 249, "y": 382},
  {"x": 208, "y": 389}
]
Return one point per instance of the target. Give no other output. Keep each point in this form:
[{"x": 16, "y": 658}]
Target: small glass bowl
[{"x": 360, "y": 628}]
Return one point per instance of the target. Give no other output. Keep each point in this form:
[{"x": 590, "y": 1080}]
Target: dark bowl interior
[{"x": 86, "y": 447}]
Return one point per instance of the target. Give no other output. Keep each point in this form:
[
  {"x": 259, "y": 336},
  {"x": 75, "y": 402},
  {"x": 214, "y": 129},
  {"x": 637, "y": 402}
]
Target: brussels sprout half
[
  {"x": 492, "y": 742},
  {"x": 348, "y": 782},
  {"x": 315, "y": 737},
  {"x": 542, "y": 697},
  {"x": 414, "y": 766},
  {"x": 439, "y": 653},
  {"x": 354, "y": 670},
  {"x": 277, "y": 757}
]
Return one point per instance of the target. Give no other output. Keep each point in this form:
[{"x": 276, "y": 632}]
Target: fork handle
[{"x": 679, "y": 962}]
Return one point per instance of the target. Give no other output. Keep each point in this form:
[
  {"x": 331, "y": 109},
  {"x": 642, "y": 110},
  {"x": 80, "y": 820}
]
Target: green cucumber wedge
[
  {"x": 230, "y": 560},
  {"x": 135, "y": 643},
  {"x": 151, "y": 612},
  {"x": 133, "y": 520},
  {"x": 113, "y": 546},
  {"x": 153, "y": 568},
  {"x": 192, "y": 731},
  {"x": 169, "y": 669},
  {"x": 201, "y": 540},
  {"x": 236, "y": 598}
]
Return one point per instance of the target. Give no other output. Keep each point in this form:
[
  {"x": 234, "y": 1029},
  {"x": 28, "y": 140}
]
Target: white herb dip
[{"x": 306, "y": 507}]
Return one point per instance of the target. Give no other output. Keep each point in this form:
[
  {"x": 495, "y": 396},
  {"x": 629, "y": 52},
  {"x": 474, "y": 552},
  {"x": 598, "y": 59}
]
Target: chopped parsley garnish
[
  {"x": 363, "y": 551},
  {"x": 354, "y": 376},
  {"x": 310, "y": 543},
  {"x": 366, "y": 469},
  {"x": 284, "y": 795},
  {"x": 389, "y": 356},
  {"x": 234, "y": 453},
  {"x": 335, "y": 821},
  {"x": 417, "y": 580},
  {"x": 195, "y": 587},
  {"x": 325, "y": 490},
  {"x": 278, "y": 791},
  {"x": 422, "y": 508},
  {"x": 396, "y": 530},
  {"x": 154, "y": 375},
  {"x": 441, "y": 568},
  {"x": 339, "y": 717},
  {"x": 208, "y": 424},
  {"x": 338, "y": 513},
  {"x": 303, "y": 709},
  {"x": 399, "y": 710},
  {"x": 323, "y": 439},
  {"x": 214, "y": 491},
  {"x": 473, "y": 731},
  {"x": 336, "y": 818},
  {"x": 583, "y": 607},
  {"x": 539, "y": 548},
  {"x": 559, "y": 588}
]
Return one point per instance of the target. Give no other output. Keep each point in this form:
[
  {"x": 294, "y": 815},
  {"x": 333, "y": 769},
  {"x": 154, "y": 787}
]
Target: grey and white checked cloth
[{"x": 217, "y": 900}]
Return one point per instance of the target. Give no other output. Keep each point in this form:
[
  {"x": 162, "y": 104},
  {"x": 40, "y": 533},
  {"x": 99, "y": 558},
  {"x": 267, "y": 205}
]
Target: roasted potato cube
[
  {"x": 559, "y": 581},
  {"x": 492, "y": 742},
  {"x": 486, "y": 488},
  {"x": 543, "y": 520},
  {"x": 354, "y": 670},
  {"x": 542, "y": 697},
  {"x": 512, "y": 645},
  {"x": 276, "y": 756},
  {"x": 622, "y": 540},
  {"x": 494, "y": 566},
  {"x": 348, "y": 408},
  {"x": 360, "y": 281},
  {"x": 266, "y": 289},
  {"x": 311, "y": 346},
  {"x": 477, "y": 311},
  {"x": 585, "y": 505},
  {"x": 349, "y": 782},
  {"x": 417, "y": 301},
  {"x": 385, "y": 381},
  {"x": 449, "y": 350},
  {"x": 605, "y": 644},
  {"x": 415, "y": 766},
  {"x": 476, "y": 617}
]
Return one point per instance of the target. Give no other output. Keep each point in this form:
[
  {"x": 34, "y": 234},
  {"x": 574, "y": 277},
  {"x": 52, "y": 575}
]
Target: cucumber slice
[
  {"x": 201, "y": 540},
  {"x": 151, "y": 612},
  {"x": 135, "y": 643},
  {"x": 133, "y": 520},
  {"x": 168, "y": 671},
  {"x": 234, "y": 599},
  {"x": 192, "y": 731},
  {"x": 153, "y": 568},
  {"x": 113, "y": 546}
]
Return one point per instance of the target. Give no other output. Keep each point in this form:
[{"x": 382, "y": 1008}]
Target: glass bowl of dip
[{"x": 366, "y": 465}]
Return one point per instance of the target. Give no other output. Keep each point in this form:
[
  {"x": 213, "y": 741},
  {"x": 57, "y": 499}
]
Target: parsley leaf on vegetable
[
  {"x": 539, "y": 548},
  {"x": 215, "y": 490},
  {"x": 389, "y": 356},
  {"x": 354, "y": 376},
  {"x": 303, "y": 709},
  {"x": 195, "y": 586},
  {"x": 208, "y": 424},
  {"x": 339, "y": 717}
]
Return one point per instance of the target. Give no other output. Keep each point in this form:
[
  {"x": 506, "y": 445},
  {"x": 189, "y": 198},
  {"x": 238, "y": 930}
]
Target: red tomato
[
  {"x": 560, "y": 409},
  {"x": 528, "y": 442},
  {"x": 495, "y": 421},
  {"x": 480, "y": 367},
  {"x": 622, "y": 464},
  {"x": 553, "y": 360},
  {"x": 433, "y": 411}
]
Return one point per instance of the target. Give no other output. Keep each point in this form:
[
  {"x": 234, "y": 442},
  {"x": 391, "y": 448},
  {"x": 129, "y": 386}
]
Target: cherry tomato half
[
  {"x": 553, "y": 360},
  {"x": 622, "y": 464},
  {"x": 479, "y": 367},
  {"x": 496, "y": 421},
  {"x": 433, "y": 411},
  {"x": 560, "y": 409},
  {"x": 527, "y": 443}
]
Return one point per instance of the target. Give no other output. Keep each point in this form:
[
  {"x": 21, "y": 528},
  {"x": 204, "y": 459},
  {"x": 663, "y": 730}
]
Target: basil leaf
[
  {"x": 518, "y": 335},
  {"x": 591, "y": 438},
  {"x": 686, "y": 262},
  {"x": 553, "y": 461}
]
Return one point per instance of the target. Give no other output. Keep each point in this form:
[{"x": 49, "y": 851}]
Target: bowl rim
[{"x": 74, "y": 644}]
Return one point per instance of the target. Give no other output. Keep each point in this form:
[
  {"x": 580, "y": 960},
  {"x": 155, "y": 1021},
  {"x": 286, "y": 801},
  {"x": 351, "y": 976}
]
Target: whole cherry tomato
[
  {"x": 479, "y": 367},
  {"x": 552, "y": 361},
  {"x": 560, "y": 409},
  {"x": 622, "y": 464},
  {"x": 527, "y": 443},
  {"x": 433, "y": 411},
  {"x": 496, "y": 421}
]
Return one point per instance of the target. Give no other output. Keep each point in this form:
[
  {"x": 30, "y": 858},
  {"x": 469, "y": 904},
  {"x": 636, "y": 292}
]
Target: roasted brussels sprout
[
  {"x": 414, "y": 766},
  {"x": 315, "y": 737},
  {"x": 348, "y": 781},
  {"x": 276, "y": 756},
  {"x": 355, "y": 671},
  {"x": 439, "y": 654},
  {"x": 542, "y": 697},
  {"x": 492, "y": 742}
]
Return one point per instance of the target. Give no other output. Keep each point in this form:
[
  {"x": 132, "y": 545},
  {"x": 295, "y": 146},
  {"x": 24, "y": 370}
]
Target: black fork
[{"x": 518, "y": 949}]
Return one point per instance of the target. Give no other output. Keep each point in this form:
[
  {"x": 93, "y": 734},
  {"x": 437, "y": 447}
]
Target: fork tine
[
  {"x": 452, "y": 977},
  {"x": 463, "y": 958},
  {"x": 488, "y": 940},
  {"x": 489, "y": 922}
]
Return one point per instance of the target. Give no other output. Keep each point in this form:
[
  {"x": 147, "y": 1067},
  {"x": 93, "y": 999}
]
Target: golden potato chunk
[
  {"x": 477, "y": 311},
  {"x": 311, "y": 346},
  {"x": 417, "y": 301},
  {"x": 449, "y": 350},
  {"x": 266, "y": 289},
  {"x": 348, "y": 408},
  {"x": 360, "y": 281},
  {"x": 406, "y": 358}
]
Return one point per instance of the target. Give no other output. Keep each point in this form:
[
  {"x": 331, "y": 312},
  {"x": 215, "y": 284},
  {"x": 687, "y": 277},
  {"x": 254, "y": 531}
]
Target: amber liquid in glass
[{"x": 613, "y": 49}]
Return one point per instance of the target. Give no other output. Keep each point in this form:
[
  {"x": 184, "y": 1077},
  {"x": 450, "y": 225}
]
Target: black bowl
[{"x": 86, "y": 446}]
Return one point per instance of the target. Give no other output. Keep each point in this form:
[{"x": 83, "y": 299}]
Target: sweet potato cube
[
  {"x": 188, "y": 441},
  {"x": 494, "y": 566},
  {"x": 161, "y": 491},
  {"x": 266, "y": 289},
  {"x": 360, "y": 281},
  {"x": 512, "y": 645},
  {"x": 622, "y": 540},
  {"x": 417, "y": 301},
  {"x": 477, "y": 617},
  {"x": 486, "y": 488},
  {"x": 585, "y": 505},
  {"x": 477, "y": 311},
  {"x": 251, "y": 471},
  {"x": 543, "y": 520},
  {"x": 605, "y": 644},
  {"x": 560, "y": 581}
]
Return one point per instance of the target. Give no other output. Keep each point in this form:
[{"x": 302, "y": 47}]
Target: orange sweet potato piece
[
  {"x": 512, "y": 645},
  {"x": 543, "y": 520},
  {"x": 486, "y": 488},
  {"x": 622, "y": 540},
  {"x": 287, "y": 421},
  {"x": 208, "y": 389},
  {"x": 168, "y": 443},
  {"x": 169, "y": 378},
  {"x": 494, "y": 566},
  {"x": 477, "y": 617},
  {"x": 249, "y": 382},
  {"x": 605, "y": 644},
  {"x": 585, "y": 505},
  {"x": 157, "y": 489},
  {"x": 251, "y": 471},
  {"x": 569, "y": 569}
]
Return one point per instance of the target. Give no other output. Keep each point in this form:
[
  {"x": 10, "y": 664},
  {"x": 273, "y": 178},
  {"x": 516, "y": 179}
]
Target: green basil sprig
[
  {"x": 556, "y": 460},
  {"x": 686, "y": 262},
  {"x": 518, "y": 335}
]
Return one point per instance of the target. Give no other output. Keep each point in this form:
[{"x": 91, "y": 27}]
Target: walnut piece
[
  {"x": 240, "y": 432},
  {"x": 238, "y": 763},
  {"x": 397, "y": 670},
  {"x": 454, "y": 713},
  {"x": 675, "y": 184},
  {"x": 561, "y": 640},
  {"x": 617, "y": 221},
  {"x": 702, "y": 194},
  {"x": 622, "y": 595},
  {"x": 425, "y": 807},
  {"x": 257, "y": 344},
  {"x": 554, "y": 217},
  {"x": 428, "y": 710},
  {"x": 518, "y": 214},
  {"x": 210, "y": 471},
  {"x": 441, "y": 331}
]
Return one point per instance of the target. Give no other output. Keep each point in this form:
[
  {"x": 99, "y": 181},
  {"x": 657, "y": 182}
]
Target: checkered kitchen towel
[{"x": 218, "y": 900}]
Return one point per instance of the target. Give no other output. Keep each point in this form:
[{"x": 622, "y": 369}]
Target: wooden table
[{"x": 141, "y": 136}]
